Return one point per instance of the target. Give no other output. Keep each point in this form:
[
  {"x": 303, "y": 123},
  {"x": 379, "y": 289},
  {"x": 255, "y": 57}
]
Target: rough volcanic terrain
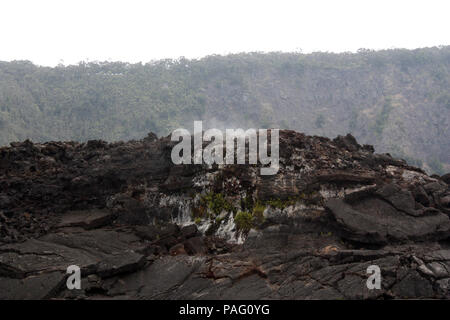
[{"x": 141, "y": 227}]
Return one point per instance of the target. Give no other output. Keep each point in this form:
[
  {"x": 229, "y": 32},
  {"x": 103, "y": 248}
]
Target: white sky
[{"x": 49, "y": 32}]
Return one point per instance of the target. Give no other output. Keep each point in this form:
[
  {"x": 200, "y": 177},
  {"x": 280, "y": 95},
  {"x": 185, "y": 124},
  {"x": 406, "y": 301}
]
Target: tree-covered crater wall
[{"x": 397, "y": 100}]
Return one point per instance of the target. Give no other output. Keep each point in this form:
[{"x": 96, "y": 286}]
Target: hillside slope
[{"x": 396, "y": 100}]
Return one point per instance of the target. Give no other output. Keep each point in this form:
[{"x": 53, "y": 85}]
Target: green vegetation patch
[
  {"x": 211, "y": 205},
  {"x": 278, "y": 203},
  {"x": 258, "y": 212},
  {"x": 216, "y": 202},
  {"x": 243, "y": 220},
  {"x": 281, "y": 203}
]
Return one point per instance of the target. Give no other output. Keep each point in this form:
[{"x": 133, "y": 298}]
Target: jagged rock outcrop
[{"x": 139, "y": 226}]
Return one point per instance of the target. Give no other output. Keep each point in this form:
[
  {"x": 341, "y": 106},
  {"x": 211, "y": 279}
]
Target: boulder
[
  {"x": 376, "y": 221},
  {"x": 87, "y": 219},
  {"x": 402, "y": 200},
  {"x": 446, "y": 178},
  {"x": 194, "y": 246},
  {"x": 348, "y": 142},
  {"x": 177, "y": 249},
  {"x": 189, "y": 231}
]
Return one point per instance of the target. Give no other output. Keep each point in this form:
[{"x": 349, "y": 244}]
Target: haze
[{"x": 51, "y": 32}]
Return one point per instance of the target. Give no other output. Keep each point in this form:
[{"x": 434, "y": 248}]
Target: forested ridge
[{"x": 398, "y": 100}]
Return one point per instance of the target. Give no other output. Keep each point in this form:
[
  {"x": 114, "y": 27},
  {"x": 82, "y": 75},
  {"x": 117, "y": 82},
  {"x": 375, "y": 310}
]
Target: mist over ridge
[{"x": 398, "y": 100}]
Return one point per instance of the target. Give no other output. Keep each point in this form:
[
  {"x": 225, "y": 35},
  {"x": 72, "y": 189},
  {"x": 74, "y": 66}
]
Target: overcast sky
[{"x": 49, "y": 32}]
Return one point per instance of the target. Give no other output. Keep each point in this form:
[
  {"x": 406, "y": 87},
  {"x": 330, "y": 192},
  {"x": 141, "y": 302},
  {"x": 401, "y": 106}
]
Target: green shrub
[
  {"x": 216, "y": 202},
  {"x": 258, "y": 212},
  {"x": 280, "y": 203},
  {"x": 243, "y": 220}
]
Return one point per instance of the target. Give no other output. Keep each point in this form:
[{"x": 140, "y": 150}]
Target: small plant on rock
[
  {"x": 258, "y": 212},
  {"x": 243, "y": 220},
  {"x": 216, "y": 202}
]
